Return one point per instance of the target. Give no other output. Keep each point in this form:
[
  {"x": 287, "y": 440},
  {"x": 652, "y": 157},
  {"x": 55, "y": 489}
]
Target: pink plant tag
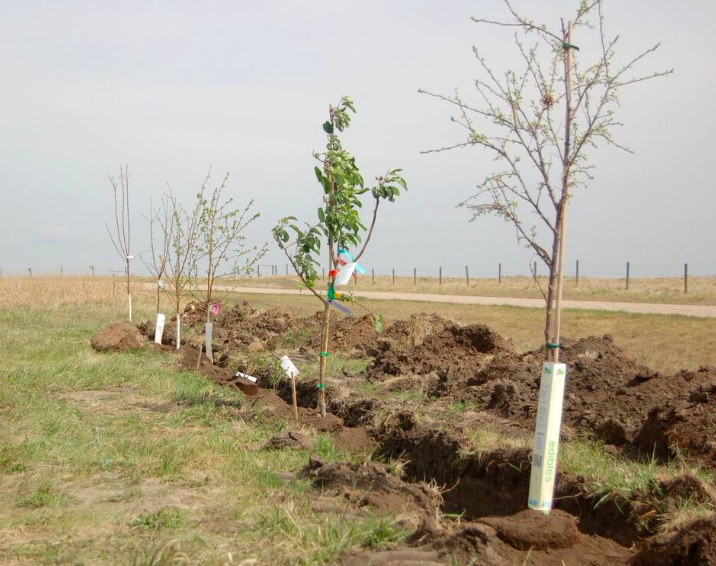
[{"x": 216, "y": 309}]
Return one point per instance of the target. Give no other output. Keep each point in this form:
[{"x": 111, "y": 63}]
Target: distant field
[{"x": 702, "y": 290}]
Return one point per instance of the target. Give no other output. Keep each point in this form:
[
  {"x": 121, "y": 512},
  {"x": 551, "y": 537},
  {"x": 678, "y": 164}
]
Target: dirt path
[{"x": 638, "y": 308}]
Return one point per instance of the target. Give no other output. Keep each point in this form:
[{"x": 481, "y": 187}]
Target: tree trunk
[{"x": 323, "y": 362}]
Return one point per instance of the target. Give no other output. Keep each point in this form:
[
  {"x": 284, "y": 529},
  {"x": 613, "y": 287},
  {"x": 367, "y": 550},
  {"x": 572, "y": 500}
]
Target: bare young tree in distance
[{"x": 121, "y": 238}]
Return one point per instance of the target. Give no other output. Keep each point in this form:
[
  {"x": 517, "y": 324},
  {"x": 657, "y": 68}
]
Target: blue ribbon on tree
[{"x": 359, "y": 267}]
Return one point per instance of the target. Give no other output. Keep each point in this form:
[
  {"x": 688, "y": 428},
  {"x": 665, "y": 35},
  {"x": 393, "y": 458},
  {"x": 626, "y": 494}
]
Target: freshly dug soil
[
  {"x": 607, "y": 391},
  {"x": 464, "y": 347},
  {"x": 351, "y": 335},
  {"x": 692, "y": 545},
  {"x": 684, "y": 426},
  {"x": 118, "y": 337},
  {"x": 372, "y": 485}
]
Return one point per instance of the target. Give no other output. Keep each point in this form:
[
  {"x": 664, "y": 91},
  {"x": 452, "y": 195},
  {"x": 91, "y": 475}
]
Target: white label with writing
[
  {"x": 159, "y": 328},
  {"x": 345, "y": 274},
  {"x": 546, "y": 442},
  {"x": 290, "y": 369}
]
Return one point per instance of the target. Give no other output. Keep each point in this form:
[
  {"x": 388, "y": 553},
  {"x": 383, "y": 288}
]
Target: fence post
[
  {"x": 577, "y": 273},
  {"x": 467, "y": 276},
  {"x": 415, "y": 276},
  {"x": 499, "y": 274},
  {"x": 627, "y": 276},
  {"x": 258, "y": 272},
  {"x": 535, "y": 272},
  {"x": 92, "y": 269},
  {"x": 323, "y": 277},
  {"x": 286, "y": 269},
  {"x": 60, "y": 271},
  {"x": 372, "y": 275},
  {"x": 30, "y": 270},
  {"x": 686, "y": 278},
  {"x": 441, "y": 276},
  {"x": 394, "y": 276}
]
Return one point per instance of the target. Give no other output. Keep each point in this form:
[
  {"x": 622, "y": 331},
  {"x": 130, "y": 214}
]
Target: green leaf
[{"x": 328, "y": 127}]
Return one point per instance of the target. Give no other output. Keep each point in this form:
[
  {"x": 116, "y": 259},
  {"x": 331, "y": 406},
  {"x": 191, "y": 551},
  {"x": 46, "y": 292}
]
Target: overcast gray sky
[{"x": 172, "y": 87}]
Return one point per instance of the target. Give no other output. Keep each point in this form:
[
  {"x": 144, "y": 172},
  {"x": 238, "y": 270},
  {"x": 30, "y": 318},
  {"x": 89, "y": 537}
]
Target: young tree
[
  {"x": 221, "y": 243},
  {"x": 540, "y": 123},
  {"x": 121, "y": 239},
  {"x": 158, "y": 251},
  {"x": 338, "y": 222}
]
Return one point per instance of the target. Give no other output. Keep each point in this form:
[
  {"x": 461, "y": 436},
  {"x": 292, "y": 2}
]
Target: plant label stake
[
  {"x": 159, "y": 328},
  {"x": 546, "y": 443},
  {"x": 216, "y": 309},
  {"x": 208, "y": 327},
  {"x": 291, "y": 371},
  {"x": 246, "y": 376}
]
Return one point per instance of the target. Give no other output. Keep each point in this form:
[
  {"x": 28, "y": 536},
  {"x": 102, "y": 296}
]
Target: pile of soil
[
  {"x": 606, "y": 392},
  {"x": 684, "y": 425},
  {"x": 372, "y": 485},
  {"x": 118, "y": 337},
  {"x": 465, "y": 347},
  {"x": 354, "y": 336},
  {"x": 692, "y": 545},
  {"x": 413, "y": 331}
]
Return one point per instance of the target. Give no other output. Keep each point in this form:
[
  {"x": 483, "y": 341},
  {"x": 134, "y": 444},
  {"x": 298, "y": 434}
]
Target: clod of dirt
[
  {"x": 118, "y": 337},
  {"x": 685, "y": 426},
  {"x": 532, "y": 529},
  {"x": 372, "y": 485},
  {"x": 692, "y": 545},
  {"x": 290, "y": 439}
]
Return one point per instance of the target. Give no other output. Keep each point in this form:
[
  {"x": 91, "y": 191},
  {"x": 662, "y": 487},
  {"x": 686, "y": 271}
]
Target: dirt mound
[
  {"x": 692, "y": 545},
  {"x": 118, "y": 337},
  {"x": 194, "y": 313},
  {"x": 607, "y": 391},
  {"x": 412, "y": 331},
  {"x": 523, "y": 538},
  {"x": 684, "y": 426},
  {"x": 355, "y": 335},
  {"x": 464, "y": 347},
  {"x": 372, "y": 485}
]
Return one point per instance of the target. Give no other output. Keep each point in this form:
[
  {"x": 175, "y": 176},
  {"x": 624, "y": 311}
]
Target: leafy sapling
[{"x": 338, "y": 224}]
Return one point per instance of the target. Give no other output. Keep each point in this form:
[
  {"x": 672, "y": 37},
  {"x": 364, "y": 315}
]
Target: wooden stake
[
  {"x": 563, "y": 208},
  {"x": 295, "y": 397},
  {"x": 467, "y": 276},
  {"x": 577, "y": 281},
  {"x": 686, "y": 278},
  {"x": 499, "y": 273},
  {"x": 441, "y": 276},
  {"x": 393, "y": 276},
  {"x": 415, "y": 276},
  {"x": 627, "y": 275}
]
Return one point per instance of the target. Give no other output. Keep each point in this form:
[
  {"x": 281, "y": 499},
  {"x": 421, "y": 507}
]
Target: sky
[{"x": 174, "y": 87}]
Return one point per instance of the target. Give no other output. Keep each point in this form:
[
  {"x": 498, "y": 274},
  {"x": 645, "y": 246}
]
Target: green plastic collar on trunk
[
  {"x": 552, "y": 346},
  {"x": 325, "y": 354},
  {"x": 321, "y": 386},
  {"x": 566, "y": 45}
]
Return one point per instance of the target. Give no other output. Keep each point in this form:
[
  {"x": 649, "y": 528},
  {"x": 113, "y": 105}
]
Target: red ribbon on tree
[{"x": 332, "y": 273}]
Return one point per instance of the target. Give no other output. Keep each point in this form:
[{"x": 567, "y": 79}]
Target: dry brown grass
[
  {"x": 702, "y": 290},
  {"x": 55, "y": 292}
]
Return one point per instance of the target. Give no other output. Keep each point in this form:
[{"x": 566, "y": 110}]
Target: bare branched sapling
[
  {"x": 222, "y": 250},
  {"x": 121, "y": 238}
]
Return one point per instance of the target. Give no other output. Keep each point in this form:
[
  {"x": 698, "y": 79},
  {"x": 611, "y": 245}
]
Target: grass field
[
  {"x": 702, "y": 290},
  {"x": 127, "y": 459}
]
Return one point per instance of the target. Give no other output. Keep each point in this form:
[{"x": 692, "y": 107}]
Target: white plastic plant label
[
  {"x": 159, "y": 328},
  {"x": 287, "y": 366},
  {"x": 345, "y": 274},
  {"x": 208, "y": 327},
  {"x": 546, "y": 444},
  {"x": 247, "y": 376}
]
